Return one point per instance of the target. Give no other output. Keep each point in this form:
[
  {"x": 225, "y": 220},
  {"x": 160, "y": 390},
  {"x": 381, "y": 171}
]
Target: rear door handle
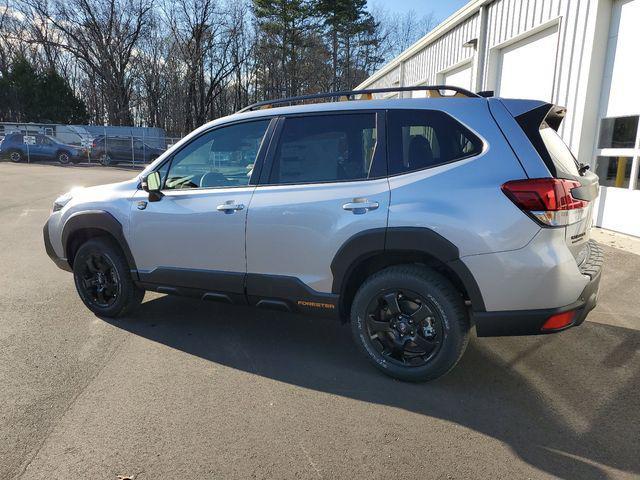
[
  {"x": 229, "y": 207},
  {"x": 359, "y": 206}
]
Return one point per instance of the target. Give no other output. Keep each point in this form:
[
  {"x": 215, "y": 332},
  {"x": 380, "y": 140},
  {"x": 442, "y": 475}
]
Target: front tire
[
  {"x": 15, "y": 156},
  {"x": 103, "y": 279},
  {"x": 105, "y": 160},
  {"x": 410, "y": 322}
]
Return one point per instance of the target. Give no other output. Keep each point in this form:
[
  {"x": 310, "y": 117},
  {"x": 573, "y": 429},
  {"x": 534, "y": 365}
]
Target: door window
[
  {"x": 326, "y": 148},
  {"x": 426, "y": 138},
  {"x": 223, "y": 157}
]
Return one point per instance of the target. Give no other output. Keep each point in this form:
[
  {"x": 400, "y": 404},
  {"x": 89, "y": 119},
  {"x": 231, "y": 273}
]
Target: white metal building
[{"x": 581, "y": 54}]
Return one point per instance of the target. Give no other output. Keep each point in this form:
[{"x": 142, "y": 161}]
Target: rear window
[
  {"x": 420, "y": 139},
  {"x": 560, "y": 154},
  {"x": 541, "y": 127}
]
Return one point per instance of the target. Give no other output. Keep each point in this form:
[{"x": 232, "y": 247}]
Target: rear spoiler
[{"x": 532, "y": 115}]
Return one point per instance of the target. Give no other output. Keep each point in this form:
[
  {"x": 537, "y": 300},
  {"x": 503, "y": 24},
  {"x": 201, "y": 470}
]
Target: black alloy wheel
[
  {"x": 410, "y": 322},
  {"x": 404, "y": 327},
  {"x": 100, "y": 280}
]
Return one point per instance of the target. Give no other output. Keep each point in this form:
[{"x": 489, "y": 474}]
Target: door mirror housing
[{"x": 152, "y": 184}]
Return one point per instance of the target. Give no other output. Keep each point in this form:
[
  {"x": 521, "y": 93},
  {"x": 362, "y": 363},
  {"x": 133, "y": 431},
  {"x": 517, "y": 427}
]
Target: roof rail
[{"x": 460, "y": 92}]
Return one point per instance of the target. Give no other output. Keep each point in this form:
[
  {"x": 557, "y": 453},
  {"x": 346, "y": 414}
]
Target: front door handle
[
  {"x": 360, "y": 205},
  {"x": 229, "y": 207}
]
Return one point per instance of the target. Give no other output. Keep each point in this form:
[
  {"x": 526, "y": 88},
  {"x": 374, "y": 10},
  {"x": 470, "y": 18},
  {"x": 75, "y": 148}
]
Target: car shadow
[{"x": 563, "y": 403}]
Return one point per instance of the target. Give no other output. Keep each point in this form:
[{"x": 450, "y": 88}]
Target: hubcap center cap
[{"x": 402, "y": 325}]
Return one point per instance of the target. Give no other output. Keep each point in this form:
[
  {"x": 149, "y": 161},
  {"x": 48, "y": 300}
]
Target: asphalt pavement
[{"x": 188, "y": 389}]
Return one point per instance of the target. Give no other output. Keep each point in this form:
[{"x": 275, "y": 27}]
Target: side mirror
[{"x": 152, "y": 183}]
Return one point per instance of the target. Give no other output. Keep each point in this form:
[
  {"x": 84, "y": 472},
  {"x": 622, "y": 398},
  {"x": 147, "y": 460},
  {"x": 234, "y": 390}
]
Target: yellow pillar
[{"x": 622, "y": 168}]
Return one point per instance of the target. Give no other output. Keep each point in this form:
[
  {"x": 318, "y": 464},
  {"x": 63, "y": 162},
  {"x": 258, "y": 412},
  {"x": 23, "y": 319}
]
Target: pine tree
[
  {"x": 284, "y": 24},
  {"x": 31, "y": 96},
  {"x": 344, "y": 20}
]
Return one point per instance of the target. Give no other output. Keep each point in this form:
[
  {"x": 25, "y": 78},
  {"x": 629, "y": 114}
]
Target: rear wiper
[{"x": 582, "y": 168}]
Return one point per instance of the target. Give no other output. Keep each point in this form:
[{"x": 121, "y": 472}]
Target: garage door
[
  {"x": 526, "y": 68},
  {"x": 460, "y": 77},
  {"x": 618, "y": 149}
]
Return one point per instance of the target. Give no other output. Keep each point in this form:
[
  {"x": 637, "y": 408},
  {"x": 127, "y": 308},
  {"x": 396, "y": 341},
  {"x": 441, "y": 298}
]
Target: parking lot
[{"x": 186, "y": 389}]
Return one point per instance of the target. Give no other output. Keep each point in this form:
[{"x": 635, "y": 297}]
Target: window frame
[
  {"x": 257, "y": 166},
  {"x": 483, "y": 143},
  {"x": 379, "y": 154}
]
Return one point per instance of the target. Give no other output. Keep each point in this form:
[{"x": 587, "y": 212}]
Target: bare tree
[
  {"x": 398, "y": 31},
  {"x": 205, "y": 35},
  {"x": 102, "y": 35}
]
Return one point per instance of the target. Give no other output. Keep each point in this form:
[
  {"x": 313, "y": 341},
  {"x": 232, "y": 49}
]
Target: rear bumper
[{"x": 530, "y": 322}]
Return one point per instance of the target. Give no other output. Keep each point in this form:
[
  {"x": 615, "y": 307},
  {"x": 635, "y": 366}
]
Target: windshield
[{"x": 561, "y": 156}]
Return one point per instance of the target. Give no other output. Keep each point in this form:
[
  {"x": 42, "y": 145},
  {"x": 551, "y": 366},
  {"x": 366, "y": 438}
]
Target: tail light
[{"x": 547, "y": 200}]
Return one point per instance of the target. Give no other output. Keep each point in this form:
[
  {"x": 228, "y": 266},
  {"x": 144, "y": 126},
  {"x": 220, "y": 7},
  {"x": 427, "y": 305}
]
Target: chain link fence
[{"x": 108, "y": 146}]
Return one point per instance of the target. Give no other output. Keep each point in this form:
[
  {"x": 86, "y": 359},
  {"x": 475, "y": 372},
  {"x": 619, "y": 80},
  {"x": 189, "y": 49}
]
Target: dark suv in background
[
  {"x": 45, "y": 148},
  {"x": 110, "y": 150}
]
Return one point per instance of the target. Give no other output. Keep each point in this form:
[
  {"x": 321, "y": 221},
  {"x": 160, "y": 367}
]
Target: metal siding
[
  {"x": 441, "y": 54},
  {"x": 509, "y": 18}
]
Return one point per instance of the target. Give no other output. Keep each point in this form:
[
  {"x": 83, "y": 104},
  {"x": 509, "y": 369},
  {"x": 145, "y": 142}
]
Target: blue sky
[{"x": 441, "y": 8}]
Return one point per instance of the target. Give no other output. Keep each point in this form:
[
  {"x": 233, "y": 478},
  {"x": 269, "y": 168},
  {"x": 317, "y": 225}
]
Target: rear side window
[
  {"x": 326, "y": 148},
  {"x": 421, "y": 139}
]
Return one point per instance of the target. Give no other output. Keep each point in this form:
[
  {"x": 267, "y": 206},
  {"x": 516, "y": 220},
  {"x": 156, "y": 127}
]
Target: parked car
[
  {"x": 44, "y": 148},
  {"x": 412, "y": 219},
  {"x": 111, "y": 150}
]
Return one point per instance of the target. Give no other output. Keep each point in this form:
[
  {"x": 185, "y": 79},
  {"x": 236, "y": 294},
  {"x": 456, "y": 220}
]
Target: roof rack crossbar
[{"x": 352, "y": 93}]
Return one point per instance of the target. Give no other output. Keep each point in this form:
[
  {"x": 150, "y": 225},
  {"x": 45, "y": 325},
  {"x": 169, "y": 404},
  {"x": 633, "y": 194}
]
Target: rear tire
[
  {"x": 103, "y": 279},
  {"x": 63, "y": 158},
  {"x": 410, "y": 322}
]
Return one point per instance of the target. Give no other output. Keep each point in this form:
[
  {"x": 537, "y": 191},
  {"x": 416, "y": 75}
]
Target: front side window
[
  {"x": 326, "y": 148},
  {"x": 421, "y": 139},
  {"x": 223, "y": 157}
]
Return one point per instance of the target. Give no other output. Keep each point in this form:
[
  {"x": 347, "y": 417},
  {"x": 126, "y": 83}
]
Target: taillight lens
[
  {"x": 547, "y": 200},
  {"x": 558, "y": 321}
]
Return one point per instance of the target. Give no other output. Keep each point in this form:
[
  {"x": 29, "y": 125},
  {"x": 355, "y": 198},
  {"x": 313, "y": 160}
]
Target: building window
[
  {"x": 618, "y": 132},
  {"x": 618, "y": 154},
  {"x": 614, "y": 171}
]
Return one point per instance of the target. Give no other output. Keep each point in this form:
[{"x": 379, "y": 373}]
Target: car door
[
  {"x": 49, "y": 148},
  {"x": 37, "y": 151},
  {"x": 323, "y": 183},
  {"x": 194, "y": 236}
]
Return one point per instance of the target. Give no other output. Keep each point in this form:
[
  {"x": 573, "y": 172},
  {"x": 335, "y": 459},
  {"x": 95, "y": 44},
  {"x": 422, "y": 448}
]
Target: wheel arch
[
  {"x": 83, "y": 226},
  {"x": 373, "y": 250}
]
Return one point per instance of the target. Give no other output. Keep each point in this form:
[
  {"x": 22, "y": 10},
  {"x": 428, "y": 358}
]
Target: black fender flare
[
  {"x": 370, "y": 243},
  {"x": 100, "y": 220}
]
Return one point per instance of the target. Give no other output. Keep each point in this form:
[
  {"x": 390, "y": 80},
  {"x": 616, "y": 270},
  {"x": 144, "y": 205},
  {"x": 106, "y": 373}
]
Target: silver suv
[{"x": 413, "y": 219}]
